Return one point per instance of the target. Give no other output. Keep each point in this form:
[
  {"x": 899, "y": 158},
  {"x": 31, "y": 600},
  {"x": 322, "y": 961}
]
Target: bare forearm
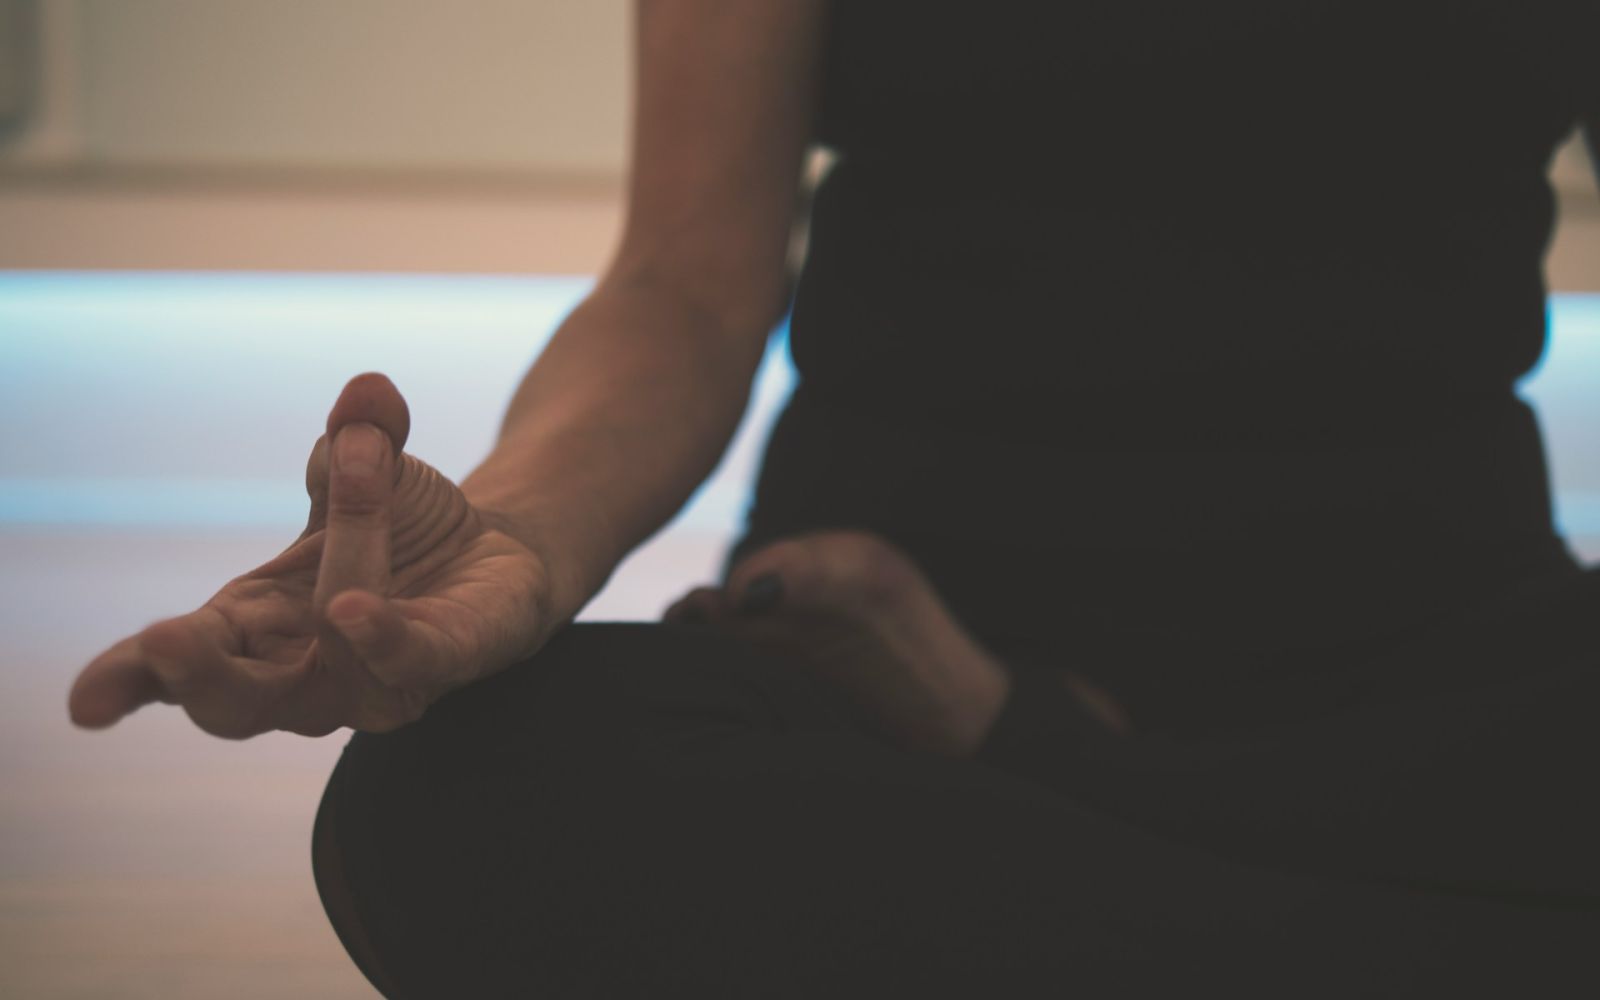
[{"x": 623, "y": 415}]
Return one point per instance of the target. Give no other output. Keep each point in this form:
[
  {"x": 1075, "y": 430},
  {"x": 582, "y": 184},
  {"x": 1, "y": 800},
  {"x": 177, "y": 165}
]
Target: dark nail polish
[{"x": 762, "y": 594}]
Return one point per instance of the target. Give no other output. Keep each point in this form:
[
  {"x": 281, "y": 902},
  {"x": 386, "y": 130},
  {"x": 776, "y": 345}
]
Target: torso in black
[{"x": 1157, "y": 319}]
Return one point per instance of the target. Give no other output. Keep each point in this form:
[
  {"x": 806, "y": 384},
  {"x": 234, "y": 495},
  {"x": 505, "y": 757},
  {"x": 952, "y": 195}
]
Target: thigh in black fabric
[
  {"x": 644, "y": 811},
  {"x": 1465, "y": 766}
]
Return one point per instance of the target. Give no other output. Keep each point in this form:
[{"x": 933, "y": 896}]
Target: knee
[
  {"x": 606, "y": 662},
  {"x": 587, "y": 713},
  {"x": 496, "y": 846},
  {"x": 600, "y": 692},
  {"x": 452, "y": 862},
  {"x": 426, "y": 855},
  {"x": 587, "y": 681},
  {"x": 338, "y": 896},
  {"x": 595, "y": 694}
]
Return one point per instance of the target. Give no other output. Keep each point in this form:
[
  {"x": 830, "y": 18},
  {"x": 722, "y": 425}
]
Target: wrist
[{"x": 564, "y": 592}]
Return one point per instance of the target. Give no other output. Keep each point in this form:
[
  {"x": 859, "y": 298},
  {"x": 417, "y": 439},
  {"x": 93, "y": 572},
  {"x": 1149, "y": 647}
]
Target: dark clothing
[
  {"x": 649, "y": 810},
  {"x": 1248, "y": 564},
  {"x": 1101, "y": 293},
  {"x": 1177, "y": 344},
  {"x": 1146, "y": 226}
]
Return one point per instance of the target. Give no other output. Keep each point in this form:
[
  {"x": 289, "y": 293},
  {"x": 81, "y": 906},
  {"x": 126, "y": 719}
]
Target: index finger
[
  {"x": 114, "y": 683},
  {"x": 122, "y": 678}
]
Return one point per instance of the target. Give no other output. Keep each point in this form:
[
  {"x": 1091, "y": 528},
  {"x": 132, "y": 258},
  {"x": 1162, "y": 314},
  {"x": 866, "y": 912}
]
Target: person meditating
[{"x": 1151, "y": 584}]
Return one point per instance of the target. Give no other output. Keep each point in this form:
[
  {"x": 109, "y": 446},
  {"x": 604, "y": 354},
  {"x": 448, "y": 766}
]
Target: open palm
[{"x": 398, "y": 591}]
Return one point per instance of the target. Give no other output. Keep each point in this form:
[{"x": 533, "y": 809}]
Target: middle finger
[{"x": 356, "y": 549}]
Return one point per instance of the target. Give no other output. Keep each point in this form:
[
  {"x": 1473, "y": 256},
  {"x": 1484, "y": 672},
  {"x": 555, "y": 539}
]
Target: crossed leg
[{"x": 651, "y": 810}]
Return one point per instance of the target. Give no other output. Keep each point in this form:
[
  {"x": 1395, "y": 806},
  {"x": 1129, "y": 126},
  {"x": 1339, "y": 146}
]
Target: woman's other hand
[{"x": 398, "y": 591}]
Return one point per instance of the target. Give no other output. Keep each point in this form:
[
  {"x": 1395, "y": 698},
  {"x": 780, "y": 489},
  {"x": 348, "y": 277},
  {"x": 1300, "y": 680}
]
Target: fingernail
[
  {"x": 359, "y": 448},
  {"x": 761, "y": 594}
]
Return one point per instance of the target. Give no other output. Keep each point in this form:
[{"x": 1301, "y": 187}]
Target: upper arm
[{"x": 724, "y": 96}]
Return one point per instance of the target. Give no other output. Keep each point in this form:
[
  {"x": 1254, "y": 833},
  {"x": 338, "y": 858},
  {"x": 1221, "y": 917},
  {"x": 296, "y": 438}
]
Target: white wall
[
  {"x": 531, "y": 90},
  {"x": 429, "y": 85},
  {"x": 432, "y": 85}
]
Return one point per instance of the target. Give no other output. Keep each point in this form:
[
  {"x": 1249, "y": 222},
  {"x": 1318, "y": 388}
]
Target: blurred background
[{"x": 212, "y": 214}]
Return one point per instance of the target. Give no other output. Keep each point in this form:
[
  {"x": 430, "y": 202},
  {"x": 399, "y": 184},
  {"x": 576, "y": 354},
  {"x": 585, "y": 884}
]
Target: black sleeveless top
[{"x": 1161, "y": 322}]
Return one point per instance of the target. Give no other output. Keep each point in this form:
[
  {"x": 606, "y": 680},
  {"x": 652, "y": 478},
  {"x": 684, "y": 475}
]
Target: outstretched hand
[{"x": 398, "y": 591}]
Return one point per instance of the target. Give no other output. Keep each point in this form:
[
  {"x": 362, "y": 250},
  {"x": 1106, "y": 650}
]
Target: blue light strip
[{"x": 107, "y": 371}]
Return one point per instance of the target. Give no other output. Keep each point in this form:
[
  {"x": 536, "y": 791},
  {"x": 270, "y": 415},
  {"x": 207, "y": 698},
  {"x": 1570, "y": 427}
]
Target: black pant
[{"x": 648, "y": 810}]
